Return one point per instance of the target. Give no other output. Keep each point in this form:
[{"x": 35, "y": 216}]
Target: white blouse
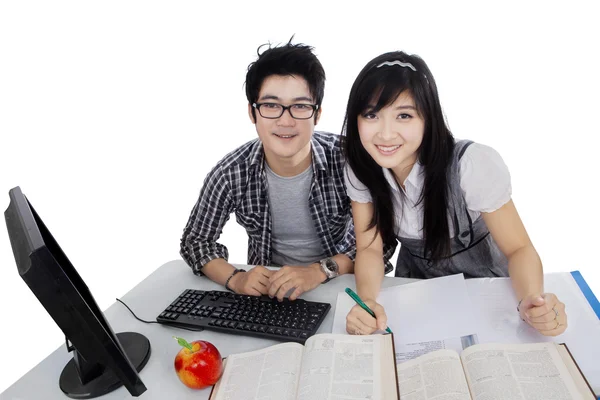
[{"x": 484, "y": 180}]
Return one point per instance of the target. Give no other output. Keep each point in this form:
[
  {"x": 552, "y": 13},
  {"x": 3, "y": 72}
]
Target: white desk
[{"x": 148, "y": 299}]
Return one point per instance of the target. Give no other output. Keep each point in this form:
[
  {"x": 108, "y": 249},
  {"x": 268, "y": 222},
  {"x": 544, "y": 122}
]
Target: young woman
[{"x": 448, "y": 203}]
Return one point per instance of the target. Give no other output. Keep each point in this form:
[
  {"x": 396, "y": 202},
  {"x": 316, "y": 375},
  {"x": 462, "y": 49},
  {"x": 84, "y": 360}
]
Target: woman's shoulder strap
[{"x": 460, "y": 147}]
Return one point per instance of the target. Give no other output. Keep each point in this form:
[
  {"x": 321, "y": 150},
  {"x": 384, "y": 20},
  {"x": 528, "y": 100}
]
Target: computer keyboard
[{"x": 290, "y": 321}]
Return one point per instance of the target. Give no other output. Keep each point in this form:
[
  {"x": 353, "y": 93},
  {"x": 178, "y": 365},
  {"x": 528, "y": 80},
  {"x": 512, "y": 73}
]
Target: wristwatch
[{"x": 330, "y": 268}]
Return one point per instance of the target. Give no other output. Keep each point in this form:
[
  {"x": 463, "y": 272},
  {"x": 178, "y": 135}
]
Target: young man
[{"x": 286, "y": 188}]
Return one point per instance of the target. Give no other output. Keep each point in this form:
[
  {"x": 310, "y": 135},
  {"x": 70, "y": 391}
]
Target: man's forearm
[
  {"x": 218, "y": 270},
  {"x": 196, "y": 250},
  {"x": 345, "y": 264}
]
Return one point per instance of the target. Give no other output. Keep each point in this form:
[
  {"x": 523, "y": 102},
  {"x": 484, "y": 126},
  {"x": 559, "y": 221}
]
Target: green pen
[{"x": 363, "y": 305}]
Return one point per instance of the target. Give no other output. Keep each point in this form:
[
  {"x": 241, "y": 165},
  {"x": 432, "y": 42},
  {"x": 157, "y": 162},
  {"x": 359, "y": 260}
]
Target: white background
[{"x": 112, "y": 113}]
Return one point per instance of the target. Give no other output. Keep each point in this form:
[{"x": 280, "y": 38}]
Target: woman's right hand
[{"x": 360, "y": 322}]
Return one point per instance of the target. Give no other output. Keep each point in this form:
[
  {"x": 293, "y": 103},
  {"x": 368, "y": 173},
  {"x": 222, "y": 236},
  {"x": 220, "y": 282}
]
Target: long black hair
[{"x": 381, "y": 85}]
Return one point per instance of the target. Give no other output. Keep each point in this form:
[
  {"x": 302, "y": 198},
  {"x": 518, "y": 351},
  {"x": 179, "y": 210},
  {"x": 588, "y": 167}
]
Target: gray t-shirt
[{"x": 294, "y": 240}]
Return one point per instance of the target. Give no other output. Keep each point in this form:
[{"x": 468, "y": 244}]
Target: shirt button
[{"x": 464, "y": 234}]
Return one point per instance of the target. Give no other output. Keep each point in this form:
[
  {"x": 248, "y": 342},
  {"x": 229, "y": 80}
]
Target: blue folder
[{"x": 587, "y": 292}]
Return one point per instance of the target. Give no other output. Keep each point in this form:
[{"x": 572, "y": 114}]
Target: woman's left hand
[{"x": 545, "y": 313}]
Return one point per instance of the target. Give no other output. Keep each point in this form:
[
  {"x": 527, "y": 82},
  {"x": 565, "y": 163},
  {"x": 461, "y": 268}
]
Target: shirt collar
[
  {"x": 319, "y": 158},
  {"x": 415, "y": 178},
  {"x": 256, "y": 156}
]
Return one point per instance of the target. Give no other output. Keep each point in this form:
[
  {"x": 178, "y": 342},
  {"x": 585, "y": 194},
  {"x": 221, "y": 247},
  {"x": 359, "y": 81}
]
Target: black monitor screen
[{"x": 102, "y": 360}]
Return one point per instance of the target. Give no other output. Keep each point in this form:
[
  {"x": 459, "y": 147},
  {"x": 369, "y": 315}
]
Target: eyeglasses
[{"x": 275, "y": 110}]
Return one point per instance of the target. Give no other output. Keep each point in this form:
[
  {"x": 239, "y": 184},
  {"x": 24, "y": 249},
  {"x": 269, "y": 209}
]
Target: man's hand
[
  {"x": 545, "y": 313},
  {"x": 255, "y": 282},
  {"x": 300, "y": 277}
]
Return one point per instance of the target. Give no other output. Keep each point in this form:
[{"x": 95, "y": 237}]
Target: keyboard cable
[{"x": 155, "y": 322}]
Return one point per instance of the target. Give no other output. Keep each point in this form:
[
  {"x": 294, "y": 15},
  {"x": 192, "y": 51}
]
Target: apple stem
[{"x": 183, "y": 342}]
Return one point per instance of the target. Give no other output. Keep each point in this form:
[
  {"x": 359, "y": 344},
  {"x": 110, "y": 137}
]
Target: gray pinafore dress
[{"x": 474, "y": 252}]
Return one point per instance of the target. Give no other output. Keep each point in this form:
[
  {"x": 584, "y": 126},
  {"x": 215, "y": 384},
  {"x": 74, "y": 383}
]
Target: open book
[
  {"x": 328, "y": 366},
  {"x": 495, "y": 371}
]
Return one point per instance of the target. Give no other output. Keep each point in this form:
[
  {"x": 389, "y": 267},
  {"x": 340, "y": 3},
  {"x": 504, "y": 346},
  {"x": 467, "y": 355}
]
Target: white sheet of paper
[
  {"x": 494, "y": 306},
  {"x": 423, "y": 311}
]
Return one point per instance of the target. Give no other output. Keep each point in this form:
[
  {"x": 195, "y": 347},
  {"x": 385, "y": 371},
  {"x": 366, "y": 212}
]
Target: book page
[
  {"x": 266, "y": 374},
  {"x": 521, "y": 371},
  {"x": 494, "y": 302},
  {"x": 347, "y": 367},
  {"x": 579, "y": 380},
  {"x": 435, "y": 376}
]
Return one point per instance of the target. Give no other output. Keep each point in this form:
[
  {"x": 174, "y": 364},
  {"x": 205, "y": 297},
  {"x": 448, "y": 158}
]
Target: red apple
[{"x": 198, "y": 364}]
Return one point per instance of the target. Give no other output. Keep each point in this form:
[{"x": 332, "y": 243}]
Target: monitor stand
[{"x": 99, "y": 380}]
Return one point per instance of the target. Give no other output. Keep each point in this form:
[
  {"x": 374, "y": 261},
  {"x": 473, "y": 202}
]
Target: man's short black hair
[{"x": 286, "y": 60}]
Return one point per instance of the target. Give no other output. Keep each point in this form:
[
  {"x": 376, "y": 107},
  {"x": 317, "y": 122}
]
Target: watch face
[
  {"x": 332, "y": 268},
  {"x": 331, "y": 265},
  {"x": 325, "y": 268}
]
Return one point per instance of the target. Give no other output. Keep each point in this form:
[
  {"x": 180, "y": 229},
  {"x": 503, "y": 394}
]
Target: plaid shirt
[{"x": 238, "y": 184}]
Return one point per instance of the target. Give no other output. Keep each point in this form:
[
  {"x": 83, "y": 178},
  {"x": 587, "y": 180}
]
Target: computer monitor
[{"x": 102, "y": 361}]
